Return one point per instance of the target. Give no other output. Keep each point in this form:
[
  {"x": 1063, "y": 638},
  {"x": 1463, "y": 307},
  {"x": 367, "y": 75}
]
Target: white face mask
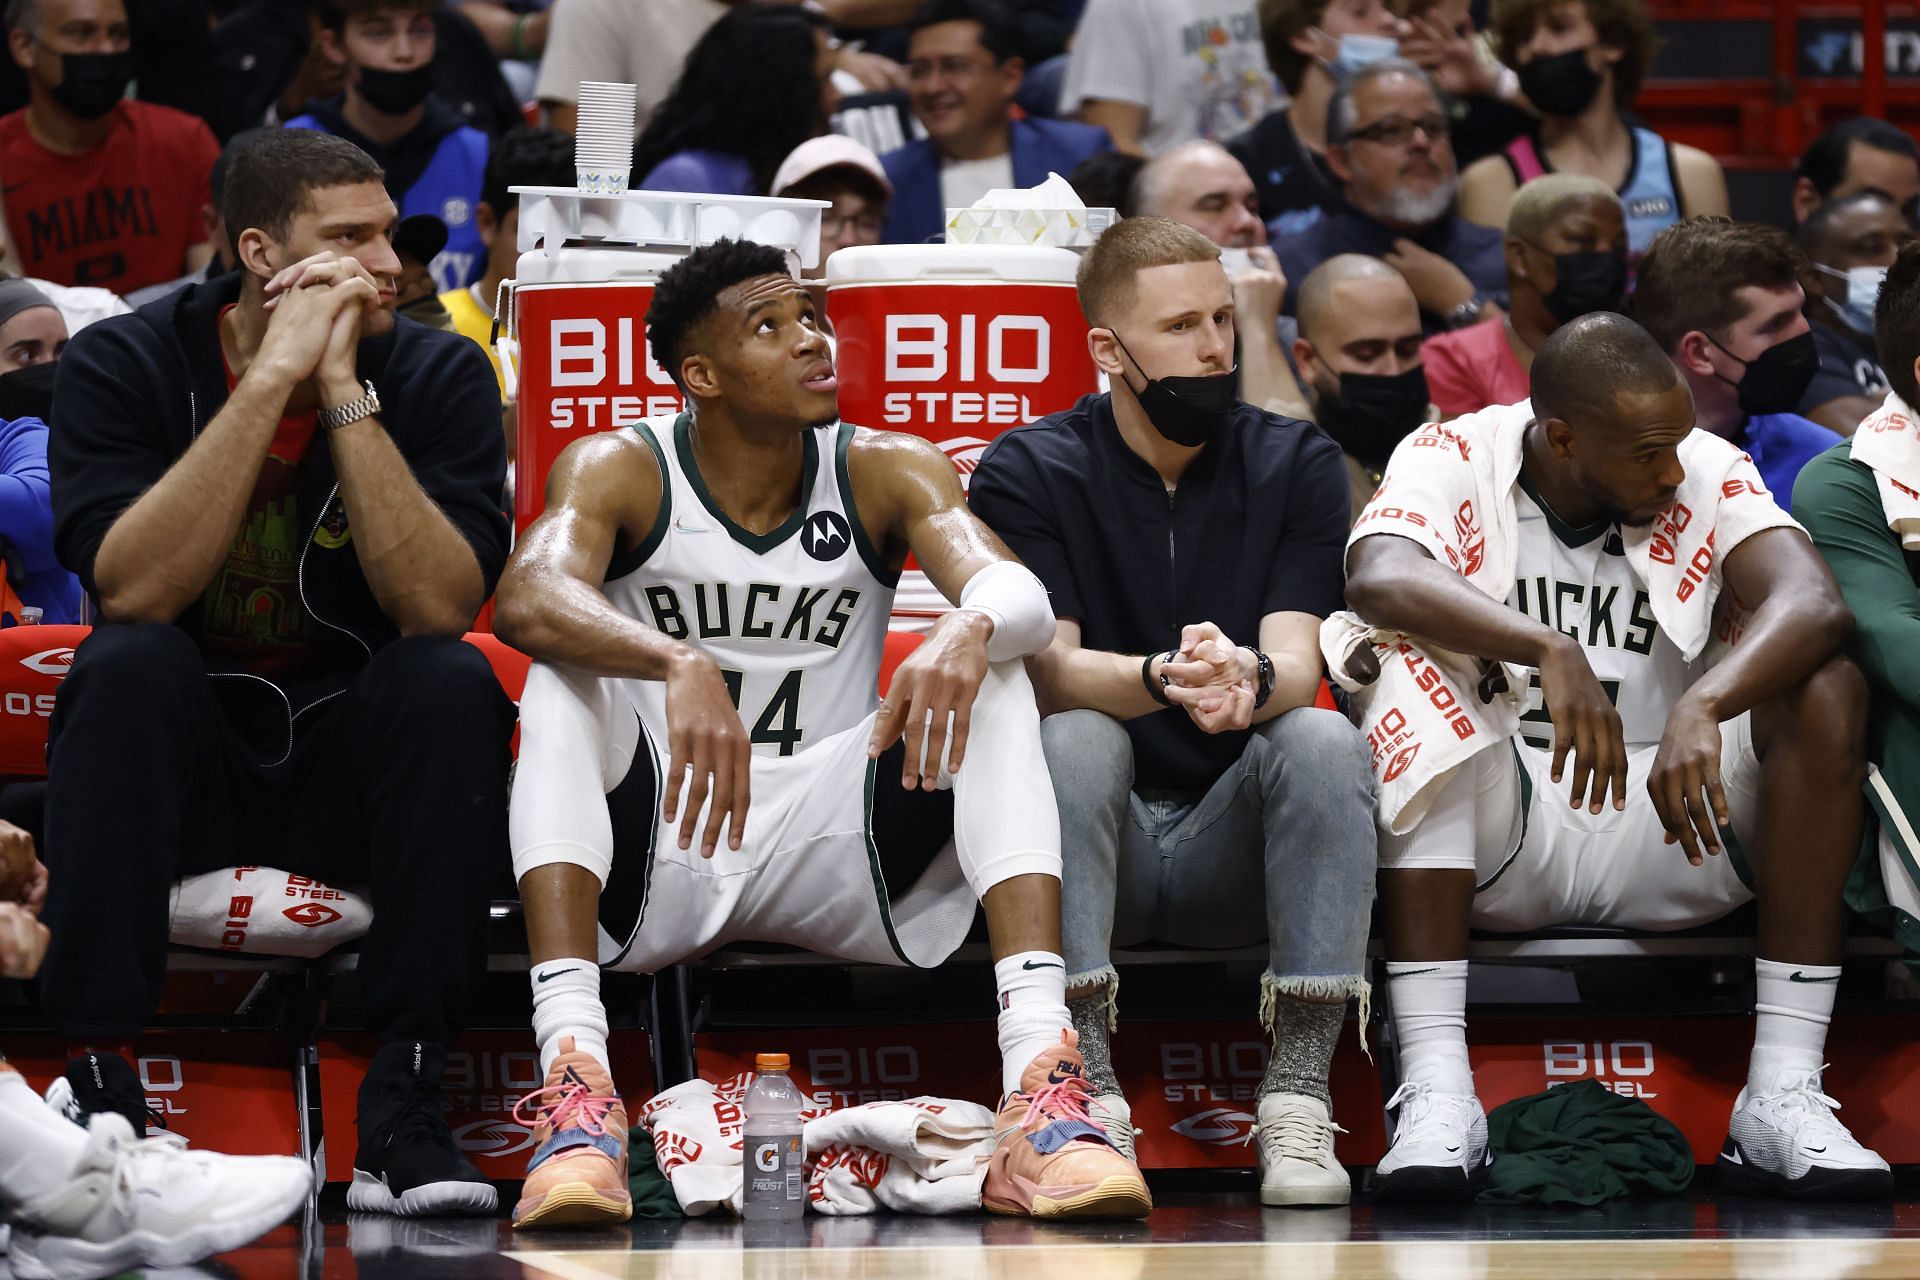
[
  {"x": 1358, "y": 51},
  {"x": 1863, "y": 290}
]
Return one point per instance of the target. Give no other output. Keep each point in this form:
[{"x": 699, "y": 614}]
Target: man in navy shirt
[
  {"x": 1724, "y": 299},
  {"x": 1389, "y": 141},
  {"x": 1204, "y": 799}
]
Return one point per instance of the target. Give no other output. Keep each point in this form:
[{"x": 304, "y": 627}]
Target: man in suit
[{"x": 963, "y": 70}]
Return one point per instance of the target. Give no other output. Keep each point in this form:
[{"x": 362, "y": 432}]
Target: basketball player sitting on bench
[
  {"x": 706, "y": 602},
  {"x": 1657, "y": 787}
]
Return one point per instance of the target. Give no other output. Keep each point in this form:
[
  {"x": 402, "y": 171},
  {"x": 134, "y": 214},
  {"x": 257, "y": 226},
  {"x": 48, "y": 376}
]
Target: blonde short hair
[
  {"x": 1106, "y": 280},
  {"x": 1537, "y": 203}
]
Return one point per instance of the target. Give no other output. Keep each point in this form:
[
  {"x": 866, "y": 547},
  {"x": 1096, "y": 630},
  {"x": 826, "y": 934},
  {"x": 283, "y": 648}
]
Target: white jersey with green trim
[
  {"x": 1578, "y": 581},
  {"x": 796, "y": 618}
]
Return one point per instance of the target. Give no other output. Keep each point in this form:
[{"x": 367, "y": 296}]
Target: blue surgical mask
[
  {"x": 1358, "y": 51},
  {"x": 1863, "y": 290}
]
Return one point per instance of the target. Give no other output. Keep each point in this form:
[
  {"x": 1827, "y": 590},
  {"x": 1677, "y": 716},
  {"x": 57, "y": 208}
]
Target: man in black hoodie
[
  {"x": 435, "y": 162},
  {"x": 284, "y": 502}
]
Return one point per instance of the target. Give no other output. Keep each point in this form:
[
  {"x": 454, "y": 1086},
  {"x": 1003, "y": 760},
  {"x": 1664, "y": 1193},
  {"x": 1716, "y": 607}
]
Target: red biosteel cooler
[
  {"x": 955, "y": 343},
  {"x": 578, "y": 304}
]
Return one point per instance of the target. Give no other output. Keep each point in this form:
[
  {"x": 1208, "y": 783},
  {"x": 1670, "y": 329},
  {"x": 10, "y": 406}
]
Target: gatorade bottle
[{"x": 772, "y": 1151}]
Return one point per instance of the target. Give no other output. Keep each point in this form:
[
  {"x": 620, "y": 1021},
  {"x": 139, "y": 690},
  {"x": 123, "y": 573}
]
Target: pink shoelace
[
  {"x": 575, "y": 1105},
  {"x": 1064, "y": 1101}
]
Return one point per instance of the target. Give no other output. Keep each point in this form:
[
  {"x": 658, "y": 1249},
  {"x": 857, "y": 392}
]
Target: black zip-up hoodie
[{"x": 134, "y": 392}]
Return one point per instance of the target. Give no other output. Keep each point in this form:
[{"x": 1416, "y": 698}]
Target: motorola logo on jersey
[{"x": 826, "y": 536}]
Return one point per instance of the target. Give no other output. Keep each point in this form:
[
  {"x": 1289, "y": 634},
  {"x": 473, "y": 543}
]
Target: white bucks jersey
[
  {"x": 1578, "y": 581},
  {"x": 796, "y": 618}
]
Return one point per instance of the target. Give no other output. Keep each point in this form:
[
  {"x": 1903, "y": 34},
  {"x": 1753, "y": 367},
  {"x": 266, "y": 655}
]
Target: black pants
[{"x": 399, "y": 784}]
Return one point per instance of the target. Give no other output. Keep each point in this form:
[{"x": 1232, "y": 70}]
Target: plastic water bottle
[{"x": 771, "y": 1149}]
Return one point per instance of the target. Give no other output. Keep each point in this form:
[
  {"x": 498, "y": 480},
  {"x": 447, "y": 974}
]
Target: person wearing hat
[
  {"x": 32, "y": 337},
  {"x": 417, "y": 241},
  {"x": 963, "y": 70},
  {"x": 849, "y": 177}
]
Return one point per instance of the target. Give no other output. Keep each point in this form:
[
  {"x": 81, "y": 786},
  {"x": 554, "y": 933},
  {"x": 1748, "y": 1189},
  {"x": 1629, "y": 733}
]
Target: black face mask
[
  {"x": 1777, "y": 377},
  {"x": 91, "y": 83},
  {"x": 1373, "y": 412},
  {"x": 28, "y": 392},
  {"x": 1187, "y": 411},
  {"x": 1562, "y": 85},
  {"x": 1586, "y": 282},
  {"x": 395, "y": 93}
]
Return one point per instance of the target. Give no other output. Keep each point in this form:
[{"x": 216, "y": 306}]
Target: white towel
[
  {"x": 1888, "y": 443},
  {"x": 923, "y": 1155},
  {"x": 1449, "y": 487},
  {"x": 264, "y": 911}
]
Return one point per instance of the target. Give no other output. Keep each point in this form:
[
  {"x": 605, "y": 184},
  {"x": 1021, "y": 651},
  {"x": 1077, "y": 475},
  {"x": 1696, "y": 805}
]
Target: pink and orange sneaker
[
  {"x": 578, "y": 1174},
  {"x": 1053, "y": 1161}
]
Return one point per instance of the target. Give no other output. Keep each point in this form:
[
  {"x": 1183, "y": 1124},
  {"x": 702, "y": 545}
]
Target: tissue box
[{"x": 1065, "y": 228}]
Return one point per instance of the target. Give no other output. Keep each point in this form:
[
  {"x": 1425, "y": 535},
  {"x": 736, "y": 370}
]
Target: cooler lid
[
  {"x": 551, "y": 217},
  {"x": 951, "y": 264}
]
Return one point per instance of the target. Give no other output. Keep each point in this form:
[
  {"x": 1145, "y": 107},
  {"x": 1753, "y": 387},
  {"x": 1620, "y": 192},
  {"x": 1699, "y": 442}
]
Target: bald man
[
  {"x": 1201, "y": 185},
  {"x": 1752, "y": 764},
  {"x": 1360, "y": 363}
]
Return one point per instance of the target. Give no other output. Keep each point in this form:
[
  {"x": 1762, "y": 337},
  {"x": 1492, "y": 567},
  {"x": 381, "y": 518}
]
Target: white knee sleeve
[
  {"x": 1018, "y": 605},
  {"x": 577, "y": 740},
  {"x": 1447, "y": 838},
  {"x": 1005, "y": 821}
]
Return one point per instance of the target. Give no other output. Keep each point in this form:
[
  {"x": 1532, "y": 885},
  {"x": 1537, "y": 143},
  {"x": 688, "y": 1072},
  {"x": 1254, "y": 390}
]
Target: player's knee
[
  {"x": 441, "y": 683},
  {"x": 1318, "y": 739},
  {"x": 135, "y": 666},
  {"x": 1089, "y": 748},
  {"x": 1830, "y": 721}
]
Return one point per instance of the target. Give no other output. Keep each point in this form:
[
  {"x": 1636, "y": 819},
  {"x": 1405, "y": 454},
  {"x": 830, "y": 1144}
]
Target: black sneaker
[
  {"x": 102, "y": 1082},
  {"x": 408, "y": 1163}
]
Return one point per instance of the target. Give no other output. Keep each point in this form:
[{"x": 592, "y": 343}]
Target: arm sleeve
[
  {"x": 1005, "y": 502},
  {"x": 1112, "y": 57},
  {"x": 1309, "y": 572},
  {"x": 111, "y": 446},
  {"x": 1839, "y": 503},
  {"x": 26, "y": 498},
  {"x": 460, "y": 458}
]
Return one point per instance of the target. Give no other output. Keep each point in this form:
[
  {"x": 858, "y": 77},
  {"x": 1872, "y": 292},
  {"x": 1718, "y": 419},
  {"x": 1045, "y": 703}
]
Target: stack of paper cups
[{"x": 603, "y": 137}]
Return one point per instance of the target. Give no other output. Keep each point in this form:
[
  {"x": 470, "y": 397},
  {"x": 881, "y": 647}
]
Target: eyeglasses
[
  {"x": 1397, "y": 131},
  {"x": 838, "y": 224},
  {"x": 955, "y": 68}
]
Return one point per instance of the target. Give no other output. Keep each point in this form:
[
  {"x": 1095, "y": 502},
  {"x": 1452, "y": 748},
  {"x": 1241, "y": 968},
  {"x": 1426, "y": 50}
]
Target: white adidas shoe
[
  {"x": 1439, "y": 1146},
  {"x": 1296, "y": 1160},
  {"x": 151, "y": 1202},
  {"x": 1115, "y": 1118},
  {"x": 1789, "y": 1143}
]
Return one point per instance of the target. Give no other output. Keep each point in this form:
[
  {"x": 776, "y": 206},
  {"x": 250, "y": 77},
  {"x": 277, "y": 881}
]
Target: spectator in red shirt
[
  {"x": 1566, "y": 256},
  {"x": 100, "y": 191}
]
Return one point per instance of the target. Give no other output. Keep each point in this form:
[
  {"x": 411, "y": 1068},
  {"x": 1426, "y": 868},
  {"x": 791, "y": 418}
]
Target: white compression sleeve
[{"x": 1016, "y": 603}]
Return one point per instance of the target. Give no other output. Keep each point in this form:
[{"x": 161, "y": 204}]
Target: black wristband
[
  {"x": 1156, "y": 689},
  {"x": 1264, "y": 689}
]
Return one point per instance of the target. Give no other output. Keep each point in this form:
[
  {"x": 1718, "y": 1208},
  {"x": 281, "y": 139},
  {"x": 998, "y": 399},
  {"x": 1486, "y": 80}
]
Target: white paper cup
[{"x": 597, "y": 180}]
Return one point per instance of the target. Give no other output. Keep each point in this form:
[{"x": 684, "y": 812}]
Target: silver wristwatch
[{"x": 352, "y": 411}]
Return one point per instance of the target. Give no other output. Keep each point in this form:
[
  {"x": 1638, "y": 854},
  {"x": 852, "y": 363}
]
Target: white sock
[
  {"x": 1430, "y": 1022},
  {"x": 1794, "y": 1006},
  {"x": 1033, "y": 1010},
  {"x": 39, "y": 1148},
  {"x": 566, "y": 1002}
]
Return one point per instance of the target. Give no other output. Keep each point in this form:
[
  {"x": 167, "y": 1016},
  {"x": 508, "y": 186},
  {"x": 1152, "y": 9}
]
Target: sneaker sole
[
  {"x": 1423, "y": 1184},
  {"x": 48, "y": 1257},
  {"x": 369, "y": 1194},
  {"x": 1116, "y": 1197},
  {"x": 1328, "y": 1196},
  {"x": 1868, "y": 1185},
  {"x": 573, "y": 1204}
]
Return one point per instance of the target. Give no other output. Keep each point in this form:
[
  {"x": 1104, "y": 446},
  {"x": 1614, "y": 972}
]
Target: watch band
[
  {"x": 352, "y": 411},
  {"x": 1264, "y": 689},
  {"x": 1156, "y": 689},
  {"x": 1467, "y": 312}
]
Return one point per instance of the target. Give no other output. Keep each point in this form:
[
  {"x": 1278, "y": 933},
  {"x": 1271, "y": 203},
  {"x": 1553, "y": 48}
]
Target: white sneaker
[
  {"x": 1115, "y": 1118},
  {"x": 1296, "y": 1160},
  {"x": 151, "y": 1202},
  {"x": 1789, "y": 1143},
  {"x": 1439, "y": 1146}
]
